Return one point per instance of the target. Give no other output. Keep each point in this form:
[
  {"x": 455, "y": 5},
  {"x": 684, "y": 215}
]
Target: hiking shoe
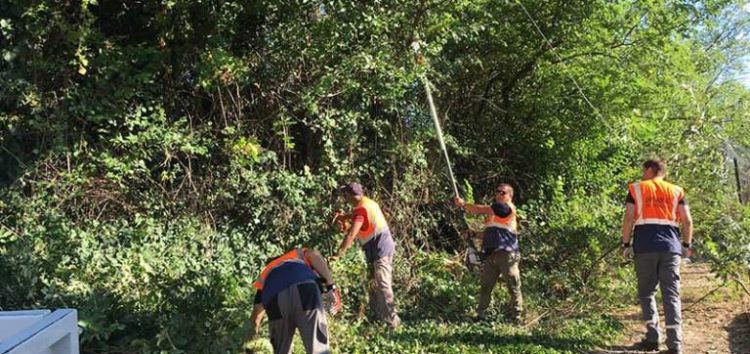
[
  {"x": 646, "y": 346},
  {"x": 673, "y": 351}
]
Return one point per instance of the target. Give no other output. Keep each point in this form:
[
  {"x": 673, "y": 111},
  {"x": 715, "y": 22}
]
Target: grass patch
[{"x": 551, "y": 337}]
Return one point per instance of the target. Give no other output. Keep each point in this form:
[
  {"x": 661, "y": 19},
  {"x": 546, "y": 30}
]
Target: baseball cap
[{"x": 352, "y": 187}]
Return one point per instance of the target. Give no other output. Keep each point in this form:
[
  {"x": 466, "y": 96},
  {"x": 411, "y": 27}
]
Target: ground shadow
[
  {"x": 739, "y": 334},
  {"x": 618, "y": 349}
]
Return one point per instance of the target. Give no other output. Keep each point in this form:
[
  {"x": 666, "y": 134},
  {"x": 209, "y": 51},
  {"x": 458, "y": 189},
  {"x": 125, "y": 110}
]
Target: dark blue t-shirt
[
  {"x": 284, "y": 276},
  {"x": 381, "y": 245},
  {"x": 656, "y": 239},
  {"x": 651, "y": 238},
  {"x": 496, "y": 238}
]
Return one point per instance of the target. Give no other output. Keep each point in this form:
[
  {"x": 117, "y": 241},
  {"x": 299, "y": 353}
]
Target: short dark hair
[{"x": 657, "y": 165}]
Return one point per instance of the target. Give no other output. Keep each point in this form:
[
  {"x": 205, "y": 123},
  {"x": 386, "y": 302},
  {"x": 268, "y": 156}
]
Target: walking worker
[
  {"x": 289, "y": 291},
  {"x": 655, "y": 209},
  {"x": 369, "y": 227},
  {"x": 501, "y": 253}
]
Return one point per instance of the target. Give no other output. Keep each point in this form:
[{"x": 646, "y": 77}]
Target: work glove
[
  {"x": 332, "y": 300},
  {"x": 626, "y": 250},
  {"x": 687, "y": 250}
]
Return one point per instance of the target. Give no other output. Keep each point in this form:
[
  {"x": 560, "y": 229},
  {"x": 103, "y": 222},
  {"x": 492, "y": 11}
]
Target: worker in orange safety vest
[
  {"x": 369, "y": 227},
  {"x": 289, "y": 291},
  {"x": 655, "y": 210},
  {"x": 501, "y": 252}
]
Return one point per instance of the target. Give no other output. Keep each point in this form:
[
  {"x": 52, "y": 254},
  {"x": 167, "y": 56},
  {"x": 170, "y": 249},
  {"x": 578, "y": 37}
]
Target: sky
[{"x": 744, "y": 76}]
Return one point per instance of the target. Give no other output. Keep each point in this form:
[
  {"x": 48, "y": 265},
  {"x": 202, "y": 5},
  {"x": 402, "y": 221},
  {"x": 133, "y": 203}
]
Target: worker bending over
[{"x": 289, "y": 291}]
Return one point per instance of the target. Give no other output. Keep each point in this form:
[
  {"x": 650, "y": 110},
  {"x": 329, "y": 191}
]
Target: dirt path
[{"x": 719, "y": 323}]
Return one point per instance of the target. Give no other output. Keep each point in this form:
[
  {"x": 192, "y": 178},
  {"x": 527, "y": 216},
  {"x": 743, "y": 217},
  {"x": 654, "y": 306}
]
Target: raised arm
[{"x": 473, "y": 208}]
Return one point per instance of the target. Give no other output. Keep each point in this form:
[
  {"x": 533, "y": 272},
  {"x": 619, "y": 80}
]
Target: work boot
[{"x": 646, "y": 346}]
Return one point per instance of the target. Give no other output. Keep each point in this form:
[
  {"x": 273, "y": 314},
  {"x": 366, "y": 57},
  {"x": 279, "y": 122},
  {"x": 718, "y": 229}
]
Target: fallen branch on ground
[
  {"x": 706, "y": 296},
  {"x": 738, "y": 281}
]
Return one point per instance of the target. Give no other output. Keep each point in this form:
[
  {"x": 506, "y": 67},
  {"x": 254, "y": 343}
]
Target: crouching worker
[
  {"x": 289, "y": 291},
  {"x": 500, "y": 250}
]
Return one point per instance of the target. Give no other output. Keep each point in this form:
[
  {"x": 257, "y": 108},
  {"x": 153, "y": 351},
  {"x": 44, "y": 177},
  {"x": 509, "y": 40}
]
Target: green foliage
[
  {"x": 436, "y": 310},
  {"x": 570, "y": 336},
  {"x": 154, "y": 154}
]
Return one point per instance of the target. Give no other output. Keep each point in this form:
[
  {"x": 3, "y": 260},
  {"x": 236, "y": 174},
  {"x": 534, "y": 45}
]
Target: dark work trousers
[
  {"x": 298, "y": 307},
  {"x": 506, "y": 264},
  {"x": 662, "y": 270}
]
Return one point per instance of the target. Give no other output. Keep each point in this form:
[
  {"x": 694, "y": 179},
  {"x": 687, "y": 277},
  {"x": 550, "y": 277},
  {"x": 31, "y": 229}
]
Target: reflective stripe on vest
[
  {"x": 507, "y": 223},
  {"x": 656, "y": 202},
  {"x": 296, "y": 255},
  {"x": 376, "y": 223}
]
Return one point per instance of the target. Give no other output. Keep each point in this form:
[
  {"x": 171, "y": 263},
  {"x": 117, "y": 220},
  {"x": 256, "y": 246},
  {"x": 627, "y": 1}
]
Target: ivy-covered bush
[{"x": 154, "y": 154}]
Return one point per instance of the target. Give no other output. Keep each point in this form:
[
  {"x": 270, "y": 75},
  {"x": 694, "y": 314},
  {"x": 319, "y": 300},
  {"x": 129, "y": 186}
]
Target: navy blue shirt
[
  {"x": 381, "y": 245},
  {"x": 496, "y": 238},
  {"x": 656, "y": 238},
  {"x": 282, "y": 277}
]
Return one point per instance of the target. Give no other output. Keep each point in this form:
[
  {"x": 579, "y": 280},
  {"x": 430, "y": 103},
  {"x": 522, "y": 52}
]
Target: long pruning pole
[
  {"x": 433, "y": 113},
  {"x": 737, "y": 178}
]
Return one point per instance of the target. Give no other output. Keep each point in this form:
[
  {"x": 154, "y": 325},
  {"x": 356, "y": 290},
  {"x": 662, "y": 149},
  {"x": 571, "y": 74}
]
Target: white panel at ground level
[{"x": 53, "y": 333}]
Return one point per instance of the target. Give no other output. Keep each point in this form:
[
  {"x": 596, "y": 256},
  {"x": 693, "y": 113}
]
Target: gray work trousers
[
  {"x": 506, "y": 264},
  {"x": 380, "y": 291},
  {"x": 662, "y": 269},
  {"x": 298, "y": 307}
]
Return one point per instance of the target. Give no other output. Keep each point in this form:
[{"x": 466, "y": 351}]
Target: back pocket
[{"x": 309, "y": 296}]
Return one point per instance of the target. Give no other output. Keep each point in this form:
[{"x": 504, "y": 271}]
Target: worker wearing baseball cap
[{"x": 369, "y": 227}]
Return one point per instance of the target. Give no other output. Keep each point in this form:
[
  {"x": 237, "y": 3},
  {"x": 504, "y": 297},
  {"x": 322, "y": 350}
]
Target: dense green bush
[{"x": 154, "y": 154}]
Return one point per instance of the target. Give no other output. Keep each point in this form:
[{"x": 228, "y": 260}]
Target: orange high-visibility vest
[
  {"x": 296, "y": 255},
  {"x": 376, "y": 221},
  {"x": 656, "y": 202},
  {"x": 508, "y": 223}
]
